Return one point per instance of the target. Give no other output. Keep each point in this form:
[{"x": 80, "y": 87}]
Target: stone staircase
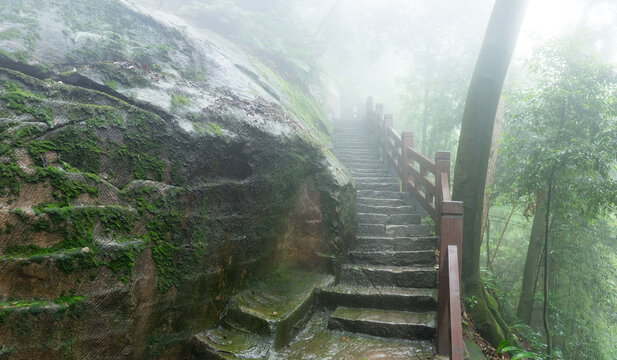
[
  {"x": 387, "y": 286},
  {"x": 383, "y": 305}
]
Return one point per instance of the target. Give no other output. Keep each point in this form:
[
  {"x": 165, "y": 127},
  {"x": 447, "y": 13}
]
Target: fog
[{"x": 389, "y": 49}]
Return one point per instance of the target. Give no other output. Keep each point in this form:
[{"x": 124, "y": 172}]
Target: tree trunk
[
  {"x": 475, "y": 145},
  {"x": 534, "y": 254},
  {"x": 492, "y": 161},
  {"x": 547, "y": 329}
]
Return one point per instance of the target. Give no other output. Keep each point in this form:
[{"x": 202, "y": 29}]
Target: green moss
[
  {"x": 4, "y": 351},
  {"x": 178, "y": 100},
  {"x": 20, "y": 102},
  {"x": 8, "y": 179},
  {"x": 79, "y": 147},
  {"x": 120, "y": 74},
  {"x": 143, "y": 145},
  {"x": 111, "y": 84},
  {"x": 9, "y": 34},
  {"x": 215, "y": 129},
  {"x": 66, "y": 189},
  {"x": 122, "y": 260}
]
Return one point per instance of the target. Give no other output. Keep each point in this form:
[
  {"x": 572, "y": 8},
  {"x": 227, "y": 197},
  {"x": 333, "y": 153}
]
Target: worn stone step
[
  {"x": 377, "y": 194},
  {"x": 356, "y": 157},
  {"x": 358, "y": 164},
  {"x": 402, "y": 276},
  {"x": 369, "y": 173},
  {"x": 374, "y": 243},
  {"x": 355, "y": 143},
  {"x": 384, "y": 323},
  {"x": 362, "y": 162},
  {"x": 377, "y": 178},
  {"x": 383, "y": 297},
  {"x": 278, "y": 306},
  {"x": 380, "y": 201},
  {"x": 350, "y": 154},
  {"x": 377, "y": 186},
  {"x": 228, "y": 343},
  {"x": 408, "y": 230},
  {"x": 393, "y": 230},
  {"x": 368, "y": 209},
  {"x": 351, "y": 150},
  {"x": 392, "y": 219},
  {"x": 393, "y": 258},
  {"x": 367, "y": 168}
]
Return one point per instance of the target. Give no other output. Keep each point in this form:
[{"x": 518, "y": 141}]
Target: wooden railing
[{"x": 429, "y": 182}]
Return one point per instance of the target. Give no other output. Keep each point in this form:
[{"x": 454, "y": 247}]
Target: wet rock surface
[{"x": 146, "y": 179}]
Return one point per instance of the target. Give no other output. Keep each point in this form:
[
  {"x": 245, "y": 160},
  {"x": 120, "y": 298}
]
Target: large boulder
[{"x": 147, "y": 173}]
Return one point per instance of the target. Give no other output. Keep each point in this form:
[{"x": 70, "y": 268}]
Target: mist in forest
[
  {"x": 418, "y": 58},
  {"x": 224, "y": 150}
]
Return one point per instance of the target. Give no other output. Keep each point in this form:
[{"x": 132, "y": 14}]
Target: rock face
[{"x": 146, "y": 174}]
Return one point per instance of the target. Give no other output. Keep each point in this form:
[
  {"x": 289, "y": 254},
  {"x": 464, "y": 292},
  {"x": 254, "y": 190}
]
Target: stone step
[
  {"x": 408, "y": 230},
  {"x": 380, "y": 201},
  {"x": 376, "y": 178},
  {"x": 360, "y": 161},
  {"x": 377, "y": 186},
  {"x": 401, "y": 276},
  {"x": 356, "y": 153},
  {"x": 377, "y": 194},
  {"x": 355, "y": 143},
  {"x": 228, "y": 343},
  {"x": 368, "y": 209},
  {"x": 364, "y": 168},
  {"x": 375, "y": 165},
  {"x": 384, "y": 323},
  {"x": 393, "y": 219},
  {"x": 387, "y": 298},
  {"x": 276, "y": 307},
  {"x": 393, "y": 258},
  {"x": 355, "y": 150},
  {"x": 369, "y": 173},
  {"x": 373, "y": 243}
]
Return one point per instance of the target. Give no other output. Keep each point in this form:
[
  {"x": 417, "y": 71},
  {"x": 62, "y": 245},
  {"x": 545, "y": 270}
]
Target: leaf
[
  {"x": 524, "y": 355},
  {"x": 502, "y": 345}
]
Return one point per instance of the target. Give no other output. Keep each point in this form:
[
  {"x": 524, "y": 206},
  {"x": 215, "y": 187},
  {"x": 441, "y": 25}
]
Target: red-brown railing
[{"x": 429, "y": 182}]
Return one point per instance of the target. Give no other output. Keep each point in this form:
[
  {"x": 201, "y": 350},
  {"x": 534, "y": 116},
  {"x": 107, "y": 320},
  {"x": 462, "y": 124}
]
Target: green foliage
[
  {"x": 564, "y": 128},
  {"x": 562, "y": 125},
  {"x": 516, "y": 352},
  {"x": 178, "y": 100},
  {"x": 20, "y": 102},
  {"x": 111, "y": 84},
  {"x": 9, "y": 185}
]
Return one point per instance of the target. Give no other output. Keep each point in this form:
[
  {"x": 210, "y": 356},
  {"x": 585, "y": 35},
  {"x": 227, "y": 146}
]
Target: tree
[
  {"x": 474, "y": 150},
  {"x": 560, "y": 148}
]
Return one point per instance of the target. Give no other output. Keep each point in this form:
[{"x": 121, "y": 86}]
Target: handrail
[{"x": 429, "y": 182}]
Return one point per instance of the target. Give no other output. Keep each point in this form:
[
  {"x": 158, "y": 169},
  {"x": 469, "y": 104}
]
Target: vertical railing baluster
[
  {"x": 387, "y": 124},
  {"x": 442, "y": 163},
  {"x": 406, "y": 142}
]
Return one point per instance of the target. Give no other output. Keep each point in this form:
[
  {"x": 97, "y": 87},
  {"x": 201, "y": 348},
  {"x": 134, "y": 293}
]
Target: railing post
[
  {"x": 406, "y": 142},
  {"x": 369, "y": 110},
  {"x": 457, "y": 349},
  {"x": 451, "y": 233},
  {"x": 377, "y": 126},
  {"x": 442, "y": 163},
  {"x": 387, "y": 124}
]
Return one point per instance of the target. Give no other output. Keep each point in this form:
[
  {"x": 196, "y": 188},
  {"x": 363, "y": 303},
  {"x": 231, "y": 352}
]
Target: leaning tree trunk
[
  {"x": 492, "y": 163},
  {"x": 474, "y": 150},
  {"x": 534, "y": 254}
]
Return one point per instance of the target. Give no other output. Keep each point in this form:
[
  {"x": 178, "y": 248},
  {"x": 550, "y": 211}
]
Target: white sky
[{"x": 548, "y": 18}]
